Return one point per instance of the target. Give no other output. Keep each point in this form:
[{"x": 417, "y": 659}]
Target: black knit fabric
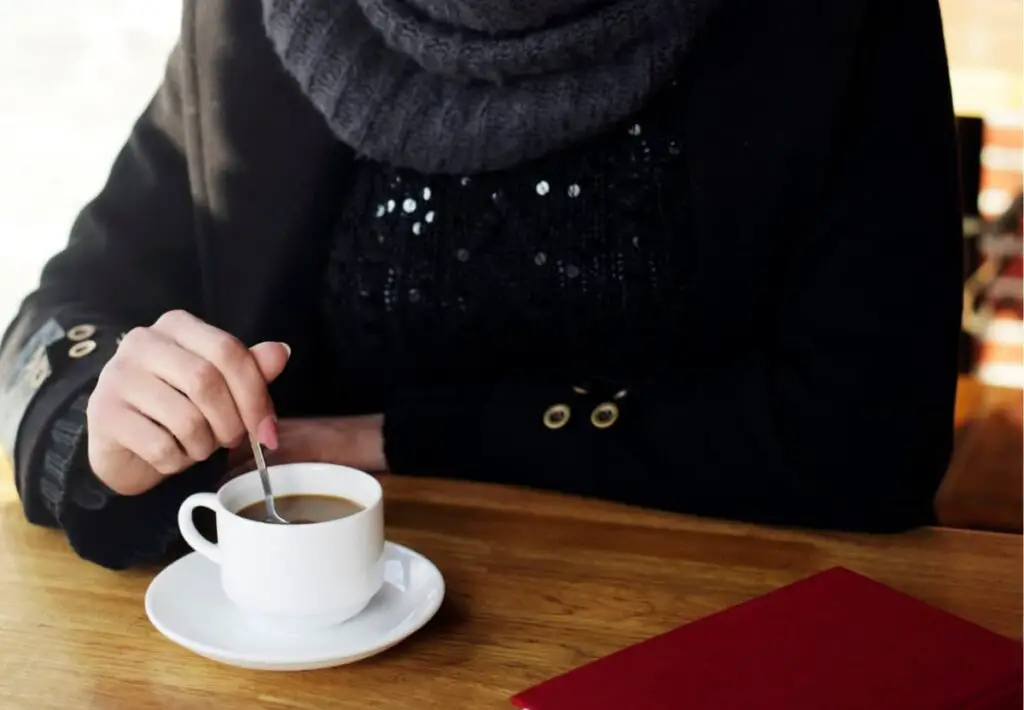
[
  {"x": 77, "y": 501},
  {"x": 66, "y": 478},
  {"x": 445, "y": 86}
]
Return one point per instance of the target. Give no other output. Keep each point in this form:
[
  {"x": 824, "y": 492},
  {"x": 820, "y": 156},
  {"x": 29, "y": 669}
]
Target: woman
[{"x": 670, "y": 253}]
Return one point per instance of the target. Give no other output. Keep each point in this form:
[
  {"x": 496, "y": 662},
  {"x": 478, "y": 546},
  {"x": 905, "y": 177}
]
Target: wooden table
[{"x": 537, "y": 584}]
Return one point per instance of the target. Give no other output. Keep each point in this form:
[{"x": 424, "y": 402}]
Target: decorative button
[
  {"x": 81, "y": 332},
  {"x": 82, "y": 349},
  {"x": 557, "y": 416},
  {"x": 604, "y": 415},
  {"x": 38, "y": 372}
]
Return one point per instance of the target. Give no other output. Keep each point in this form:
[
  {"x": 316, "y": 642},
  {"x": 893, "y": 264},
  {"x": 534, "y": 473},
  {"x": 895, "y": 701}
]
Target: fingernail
[
  {"x": 287, "y": 348},
  {"x": 266, "y": 432}
]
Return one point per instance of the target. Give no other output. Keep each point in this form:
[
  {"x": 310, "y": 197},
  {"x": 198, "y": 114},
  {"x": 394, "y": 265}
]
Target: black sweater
[{"x": 580, "y": 322}]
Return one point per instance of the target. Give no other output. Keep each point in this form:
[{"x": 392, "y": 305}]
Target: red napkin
[{"x": 833, "y": 641}]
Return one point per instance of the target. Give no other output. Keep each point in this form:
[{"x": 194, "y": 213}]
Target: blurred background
[{"x": 74, "y": 74}]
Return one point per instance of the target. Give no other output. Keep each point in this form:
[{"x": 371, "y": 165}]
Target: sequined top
[{"x": 574, "y": 264}]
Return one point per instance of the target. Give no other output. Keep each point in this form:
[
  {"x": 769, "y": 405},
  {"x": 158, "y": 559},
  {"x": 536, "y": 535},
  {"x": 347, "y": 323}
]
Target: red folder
[{"x": 834, "y": 641}]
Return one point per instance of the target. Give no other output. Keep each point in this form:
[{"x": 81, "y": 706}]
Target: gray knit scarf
[{"x": 460, "y": 86}]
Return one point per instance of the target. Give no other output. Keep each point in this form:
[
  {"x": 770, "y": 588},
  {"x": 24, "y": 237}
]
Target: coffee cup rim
[{"x": 376, "y": 497}]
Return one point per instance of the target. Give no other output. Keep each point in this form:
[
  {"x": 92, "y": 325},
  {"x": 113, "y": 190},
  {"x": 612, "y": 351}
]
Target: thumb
[{"x": 271, "y": 358}]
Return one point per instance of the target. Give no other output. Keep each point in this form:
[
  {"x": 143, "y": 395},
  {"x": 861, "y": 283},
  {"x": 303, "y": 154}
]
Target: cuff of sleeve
[
  {"x": 61, "y": 397},
  {"x": 101, "y": 526},
  {"x": 133, "y": 530},
  {"x": 65, "y": 475},
  {"x": 42, "y": 405}
]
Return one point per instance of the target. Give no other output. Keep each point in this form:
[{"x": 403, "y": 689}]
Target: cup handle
[{"x": 188, "y": 528}]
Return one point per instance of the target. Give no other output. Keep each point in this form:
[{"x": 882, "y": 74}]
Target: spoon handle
[
  {"x": 268, "y": 494},
  {"x": 261, "y": 466}
]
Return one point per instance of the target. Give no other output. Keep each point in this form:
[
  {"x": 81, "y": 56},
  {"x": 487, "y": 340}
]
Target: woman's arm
[
  {"x": 130, "y": 257},
  {"x": 844, "y": 418}
]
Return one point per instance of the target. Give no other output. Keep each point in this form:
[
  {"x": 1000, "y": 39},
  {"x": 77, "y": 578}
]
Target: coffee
[{"x": 303, "y": 509}]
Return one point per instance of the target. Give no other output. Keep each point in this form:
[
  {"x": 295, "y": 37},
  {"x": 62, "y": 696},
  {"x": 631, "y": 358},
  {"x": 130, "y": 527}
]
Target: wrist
[
  {"x": 349, "y": 441},
  {"x": 368, "y": 441}
]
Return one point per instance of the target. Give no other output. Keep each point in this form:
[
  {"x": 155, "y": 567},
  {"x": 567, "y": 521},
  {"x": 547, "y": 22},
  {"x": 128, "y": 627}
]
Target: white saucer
[{"x": 187, "y": 605}]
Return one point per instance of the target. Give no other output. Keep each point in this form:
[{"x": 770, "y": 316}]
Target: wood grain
[{"x": 537, "y": 584}]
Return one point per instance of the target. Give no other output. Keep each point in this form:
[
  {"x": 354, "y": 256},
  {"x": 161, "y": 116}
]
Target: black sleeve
[
  {"x": 843, "y": 417},
  {"x": 131, "y": 256},
  {"x": 114, "y": 531}
]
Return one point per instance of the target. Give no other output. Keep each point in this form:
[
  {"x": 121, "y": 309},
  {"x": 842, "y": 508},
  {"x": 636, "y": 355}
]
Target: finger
[
  {"x": 166, "y": 406},
  {"x": 135, "y": 432},
  {"x": 199, "y": 380},
  {"x": 271, "y": 359},
  {"x": 236, "y": 364}
]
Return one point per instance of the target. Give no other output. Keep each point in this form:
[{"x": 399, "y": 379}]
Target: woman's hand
[
  {"x": 350, "y": 441},
  {"x": 172, "y": 395}
]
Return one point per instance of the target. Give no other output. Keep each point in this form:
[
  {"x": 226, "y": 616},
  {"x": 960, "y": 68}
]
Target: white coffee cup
[{"x": 295, "y": 577}]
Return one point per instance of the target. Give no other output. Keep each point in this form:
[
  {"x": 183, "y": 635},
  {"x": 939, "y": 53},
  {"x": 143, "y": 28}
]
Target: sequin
[{"x": 593, "y": 272}]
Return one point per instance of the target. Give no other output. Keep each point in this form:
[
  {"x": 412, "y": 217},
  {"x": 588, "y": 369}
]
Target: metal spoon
[{"x": 268, "y": 494}]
